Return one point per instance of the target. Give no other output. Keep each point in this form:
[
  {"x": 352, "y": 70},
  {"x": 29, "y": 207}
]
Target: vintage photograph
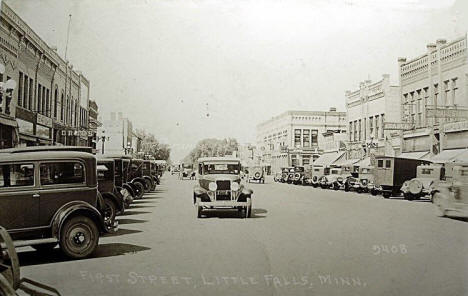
[{"x": 233, "y": 147}]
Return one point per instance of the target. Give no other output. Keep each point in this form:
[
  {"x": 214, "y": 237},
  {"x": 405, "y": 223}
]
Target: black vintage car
[
  {"x": 127, "y": 189},
  {"x": 298, "y": 177},
  {"x": 51, "y": 197},
  {"x": 155, "y": 173},
  {"x": 135, "y": 177},
  {"x": 113, "y": 198},
  {"x": 148, "y": 175}
]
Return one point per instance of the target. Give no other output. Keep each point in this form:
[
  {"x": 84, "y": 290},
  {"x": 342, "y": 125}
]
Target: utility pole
[{"x": 68, "y": 35}]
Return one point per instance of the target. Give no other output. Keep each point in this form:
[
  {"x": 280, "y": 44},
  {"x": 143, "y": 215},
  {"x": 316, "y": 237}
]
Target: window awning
[
  {"x": 328, "y": 158},
  {"x": 345, "y": 162},
  {"x": 364, "y": 163},
  {"x": 414, "y": 155},
  {"x": 8, "y": 121},
  {"x": 451, "y": 155}
]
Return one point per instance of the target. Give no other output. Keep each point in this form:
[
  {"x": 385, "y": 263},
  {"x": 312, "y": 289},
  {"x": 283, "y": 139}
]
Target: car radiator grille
[{"x": 223, "y": 185}]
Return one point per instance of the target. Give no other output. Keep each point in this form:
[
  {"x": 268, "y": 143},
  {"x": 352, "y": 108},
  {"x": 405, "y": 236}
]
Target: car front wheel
[
  {"x": 110, "y": 210},
  {"x": 140, "y": 190},
  {"x": 79, "y": 237}
]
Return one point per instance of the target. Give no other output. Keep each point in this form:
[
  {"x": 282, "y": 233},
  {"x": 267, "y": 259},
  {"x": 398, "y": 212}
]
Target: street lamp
[{"x": 103, "y": 139}]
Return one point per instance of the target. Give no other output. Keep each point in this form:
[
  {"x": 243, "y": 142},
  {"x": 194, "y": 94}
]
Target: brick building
[{"x": 50, "y": 101}]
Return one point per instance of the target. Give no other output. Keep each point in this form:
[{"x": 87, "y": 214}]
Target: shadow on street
[
  {"x": 131, "y": 221},
  {"x": 29, "y": 258},
  {"x": 232, "y": 213},
  {"x": 128, "y": 213}
]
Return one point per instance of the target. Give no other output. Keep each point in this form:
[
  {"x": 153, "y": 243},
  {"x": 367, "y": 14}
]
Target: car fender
[
  {"x": 72, "y": 208},
  {"x": 141, "y": 180},
  {"x": 118, "y": 200}
]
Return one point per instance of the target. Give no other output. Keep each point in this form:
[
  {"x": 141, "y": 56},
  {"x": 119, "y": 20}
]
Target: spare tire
[{"x": 415, "y": 187}]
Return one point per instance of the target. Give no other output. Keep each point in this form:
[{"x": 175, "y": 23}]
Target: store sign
[
  {"x": 456, "y": 126},
  {"x": 71, "y": 133},
  {"x": 25, "y": 127},
  {"x": 398, "y": 126},
  {"x": 44, "y": 120},
  {"x": 447, "y": 113}
]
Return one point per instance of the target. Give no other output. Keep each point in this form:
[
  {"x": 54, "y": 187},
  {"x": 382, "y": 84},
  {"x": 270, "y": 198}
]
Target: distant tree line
[
  {"x": 212, "y": 147},
  {"x": 151, "y": 146}
]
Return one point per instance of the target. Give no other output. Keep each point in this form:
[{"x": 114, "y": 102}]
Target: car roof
[
  {"x": 45, "y": 155},
  {"x": 218, "y": 159},
  {"x": 47, "y": 148},
  {"x": 114, "y": 155}
]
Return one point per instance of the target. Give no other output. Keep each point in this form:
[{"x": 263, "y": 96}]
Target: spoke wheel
[
  {"x": 9, "y": 259},
  {"x": 140, "y": 190},
  {"x": 79, "y": 237},
  {"x": 110, "y": 210}
]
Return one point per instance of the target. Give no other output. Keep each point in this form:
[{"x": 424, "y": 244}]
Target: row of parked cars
[
  {"x": 445, "y": 184},
  {"x": 68, "y": 196}
]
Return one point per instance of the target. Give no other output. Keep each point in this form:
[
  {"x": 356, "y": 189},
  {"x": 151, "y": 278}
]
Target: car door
[
  {"x": 61, "y": 182},
  {"x": 19, "y": 200}
]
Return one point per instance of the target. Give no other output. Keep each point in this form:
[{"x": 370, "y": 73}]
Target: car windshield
[{"x": 221, "y": 168}]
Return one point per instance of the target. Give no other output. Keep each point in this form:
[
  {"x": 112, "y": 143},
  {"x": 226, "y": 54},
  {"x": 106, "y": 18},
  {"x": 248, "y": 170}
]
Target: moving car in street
[
  {"x": 451, "y": 197},
  {"x": 51, "y": 197},
  {"x": 219, "y": 186},
  {"x": 256, "y": 174},
  {"x": 391, "y": 172}
]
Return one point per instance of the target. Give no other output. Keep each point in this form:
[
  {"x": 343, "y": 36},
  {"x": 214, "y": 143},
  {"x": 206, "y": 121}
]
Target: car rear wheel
[
  {"x": 386, "y": 194},
  {"x": 79, "y": 237}
]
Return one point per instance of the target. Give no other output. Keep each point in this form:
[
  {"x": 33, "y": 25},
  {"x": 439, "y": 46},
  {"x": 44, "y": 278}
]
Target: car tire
[
  {"x": 110, "y": 211},
  {"x": 140, "y": 190},
  {"x": 44, "y": 248},
  {"x": 386, "y": 194},
  {"x": 79, "y": 237},
  {"x": 373, "y": 192}
]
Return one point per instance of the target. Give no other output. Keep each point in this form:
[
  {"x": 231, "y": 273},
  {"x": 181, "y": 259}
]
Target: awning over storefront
[
  {"x": 450, "y": 155},
  {"x": 328, "y": 158},
  {"x": 414, "y": 155},
  {"x": 8, "y": 121},
  {"x": 364, "y": 163},
  {"x": 345, "y": 162}
]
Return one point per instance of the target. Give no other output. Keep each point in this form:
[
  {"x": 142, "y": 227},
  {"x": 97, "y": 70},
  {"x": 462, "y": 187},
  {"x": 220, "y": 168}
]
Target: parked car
[
  {"x": 155, "y": 172},
  {"x": 392, "y": 172},
  {"x": 451, "y": 197},
  {"x": 335, "y": 180},
  {"x": 128, "y": 190},
  {"x": 113, "y": 199},
  {"x": 298, "y": 177},
  {"x": 256, "y": 174},
  {"x": 148, "y": 175},
  {"x": 135, "y": 177},
  {"x": 277, "y": 176},
  {"x": 51, "y": 197},
  {"x": 286, "y": 173},
  {"x": 422, "y": 185},
  {"x": 219, "y": 186},
  {"x": 317, "y": 175}
]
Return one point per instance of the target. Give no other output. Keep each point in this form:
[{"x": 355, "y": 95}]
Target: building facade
[
  {"x": 367, "y": 109},
  {"x": 93, "y": 123},
  {"x": 49, "y": 102},
  {"x": 434, "y": 92},
  {"x": 296, "y": 137},
  {"x": 115, "y": 135}
]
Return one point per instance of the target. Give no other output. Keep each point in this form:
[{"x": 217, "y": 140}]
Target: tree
[
  {"x": 151, "y": 146},
  {"x": 211, "y": 147}
]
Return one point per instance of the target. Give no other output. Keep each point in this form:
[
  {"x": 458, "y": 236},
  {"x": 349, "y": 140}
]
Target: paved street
[{"x": 300, "y": 241}]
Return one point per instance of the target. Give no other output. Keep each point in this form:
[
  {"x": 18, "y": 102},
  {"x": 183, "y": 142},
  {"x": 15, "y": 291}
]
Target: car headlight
[
  {"x": 212, "y": 186},
  {"x": 235, "y": 186}
]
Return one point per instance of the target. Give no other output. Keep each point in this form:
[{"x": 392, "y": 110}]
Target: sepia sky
[{"x": 191, "y": 69}]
